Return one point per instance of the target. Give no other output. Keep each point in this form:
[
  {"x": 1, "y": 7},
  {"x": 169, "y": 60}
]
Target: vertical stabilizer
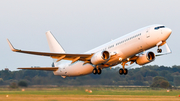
[{"x": 53, "y": 43}]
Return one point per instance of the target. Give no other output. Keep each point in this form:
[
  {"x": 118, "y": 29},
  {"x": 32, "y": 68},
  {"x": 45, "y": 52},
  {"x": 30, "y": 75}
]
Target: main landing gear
[
  {"x": 121, "y": 71},
  {"x": 97, "y": 71}
]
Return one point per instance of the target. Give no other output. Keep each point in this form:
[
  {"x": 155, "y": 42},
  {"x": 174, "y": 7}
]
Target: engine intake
[
  {"x": 100, "y": 57},
  {"x": 145, "y": 58}
]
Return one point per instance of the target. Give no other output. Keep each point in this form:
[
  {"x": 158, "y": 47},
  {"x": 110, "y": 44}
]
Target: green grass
[
  {"x": 79, "y": 94},
  {"x": 95, "y": 91}
]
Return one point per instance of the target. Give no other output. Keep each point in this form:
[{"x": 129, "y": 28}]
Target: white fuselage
[{"x": 123, "y": 47}]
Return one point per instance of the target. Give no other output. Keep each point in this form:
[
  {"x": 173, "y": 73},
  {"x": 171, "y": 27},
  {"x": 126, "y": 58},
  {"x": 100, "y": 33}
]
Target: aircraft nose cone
[{"x": 167, "y": 33}]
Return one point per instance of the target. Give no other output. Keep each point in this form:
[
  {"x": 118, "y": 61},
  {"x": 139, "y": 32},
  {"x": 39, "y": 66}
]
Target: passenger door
[{"x": 147, "y": 33}]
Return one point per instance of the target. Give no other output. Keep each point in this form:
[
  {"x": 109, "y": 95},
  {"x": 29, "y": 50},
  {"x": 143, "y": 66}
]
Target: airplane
[{"x": 130, "y": 48}]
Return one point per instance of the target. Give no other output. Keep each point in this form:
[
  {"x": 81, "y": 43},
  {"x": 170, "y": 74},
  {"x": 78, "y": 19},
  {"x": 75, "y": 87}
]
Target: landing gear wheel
[
  {"x": 159, "y": 50},
  {"x": 125, "y": 71},
  {"x": 121, "y": 71},
  {"x": 99, "y": 71},
  {"x": 94, "y": 71}
]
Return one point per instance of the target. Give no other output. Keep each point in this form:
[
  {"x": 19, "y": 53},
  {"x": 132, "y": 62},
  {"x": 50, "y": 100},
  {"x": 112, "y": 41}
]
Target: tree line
[{"x": 145, "y": 76}]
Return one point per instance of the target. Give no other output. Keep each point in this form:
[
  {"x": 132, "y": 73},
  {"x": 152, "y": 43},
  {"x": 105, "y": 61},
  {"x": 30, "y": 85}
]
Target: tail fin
[{"x": 53, "y": 43}]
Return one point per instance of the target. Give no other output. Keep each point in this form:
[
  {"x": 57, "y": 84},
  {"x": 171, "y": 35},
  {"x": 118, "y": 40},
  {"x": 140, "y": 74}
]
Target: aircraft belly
[
  {"x": 114, "y": 61},
  {"x": 75, "y": 69}
]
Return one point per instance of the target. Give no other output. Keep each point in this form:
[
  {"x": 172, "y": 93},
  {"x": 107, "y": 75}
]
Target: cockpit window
[{"x": 156, "y": 28}]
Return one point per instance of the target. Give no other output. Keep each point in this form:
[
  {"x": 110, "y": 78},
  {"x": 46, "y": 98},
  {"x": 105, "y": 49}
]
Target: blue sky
[{"x": 80, "y": 25}]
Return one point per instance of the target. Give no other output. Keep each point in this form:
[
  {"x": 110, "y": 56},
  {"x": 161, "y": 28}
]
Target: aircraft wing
[
  {"x": 58, "y": 56},
  {"x": 41, "y": 68}
]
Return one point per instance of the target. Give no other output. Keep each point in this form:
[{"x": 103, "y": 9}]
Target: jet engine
[
  {"x": 145, "y": 58},
  {"x": 100, "y": 57}
]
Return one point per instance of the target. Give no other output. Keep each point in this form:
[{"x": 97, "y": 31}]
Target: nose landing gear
[
  {"x": 161, "y": 43},
  {"x": 159, "y": 50}
]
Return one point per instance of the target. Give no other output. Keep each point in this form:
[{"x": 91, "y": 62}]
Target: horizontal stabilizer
[{"x": 41, "y": 68}]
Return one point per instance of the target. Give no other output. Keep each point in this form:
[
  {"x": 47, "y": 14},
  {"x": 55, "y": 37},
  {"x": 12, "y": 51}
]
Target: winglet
[{"x": 11, "y": 46}]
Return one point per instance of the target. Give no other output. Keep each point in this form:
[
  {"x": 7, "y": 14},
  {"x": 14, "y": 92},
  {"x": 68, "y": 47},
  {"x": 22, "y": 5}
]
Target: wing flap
[{"x": 41, "y": 68}]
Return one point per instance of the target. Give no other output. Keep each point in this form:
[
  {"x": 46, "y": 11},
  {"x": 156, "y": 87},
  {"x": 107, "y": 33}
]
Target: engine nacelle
[
  {"x": 145, "y": 58},
  {"x": 100, "y": 57}
]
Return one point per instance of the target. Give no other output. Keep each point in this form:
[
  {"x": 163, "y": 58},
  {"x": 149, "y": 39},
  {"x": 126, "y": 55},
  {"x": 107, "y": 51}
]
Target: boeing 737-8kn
[{"x": 128, "y": 48}]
